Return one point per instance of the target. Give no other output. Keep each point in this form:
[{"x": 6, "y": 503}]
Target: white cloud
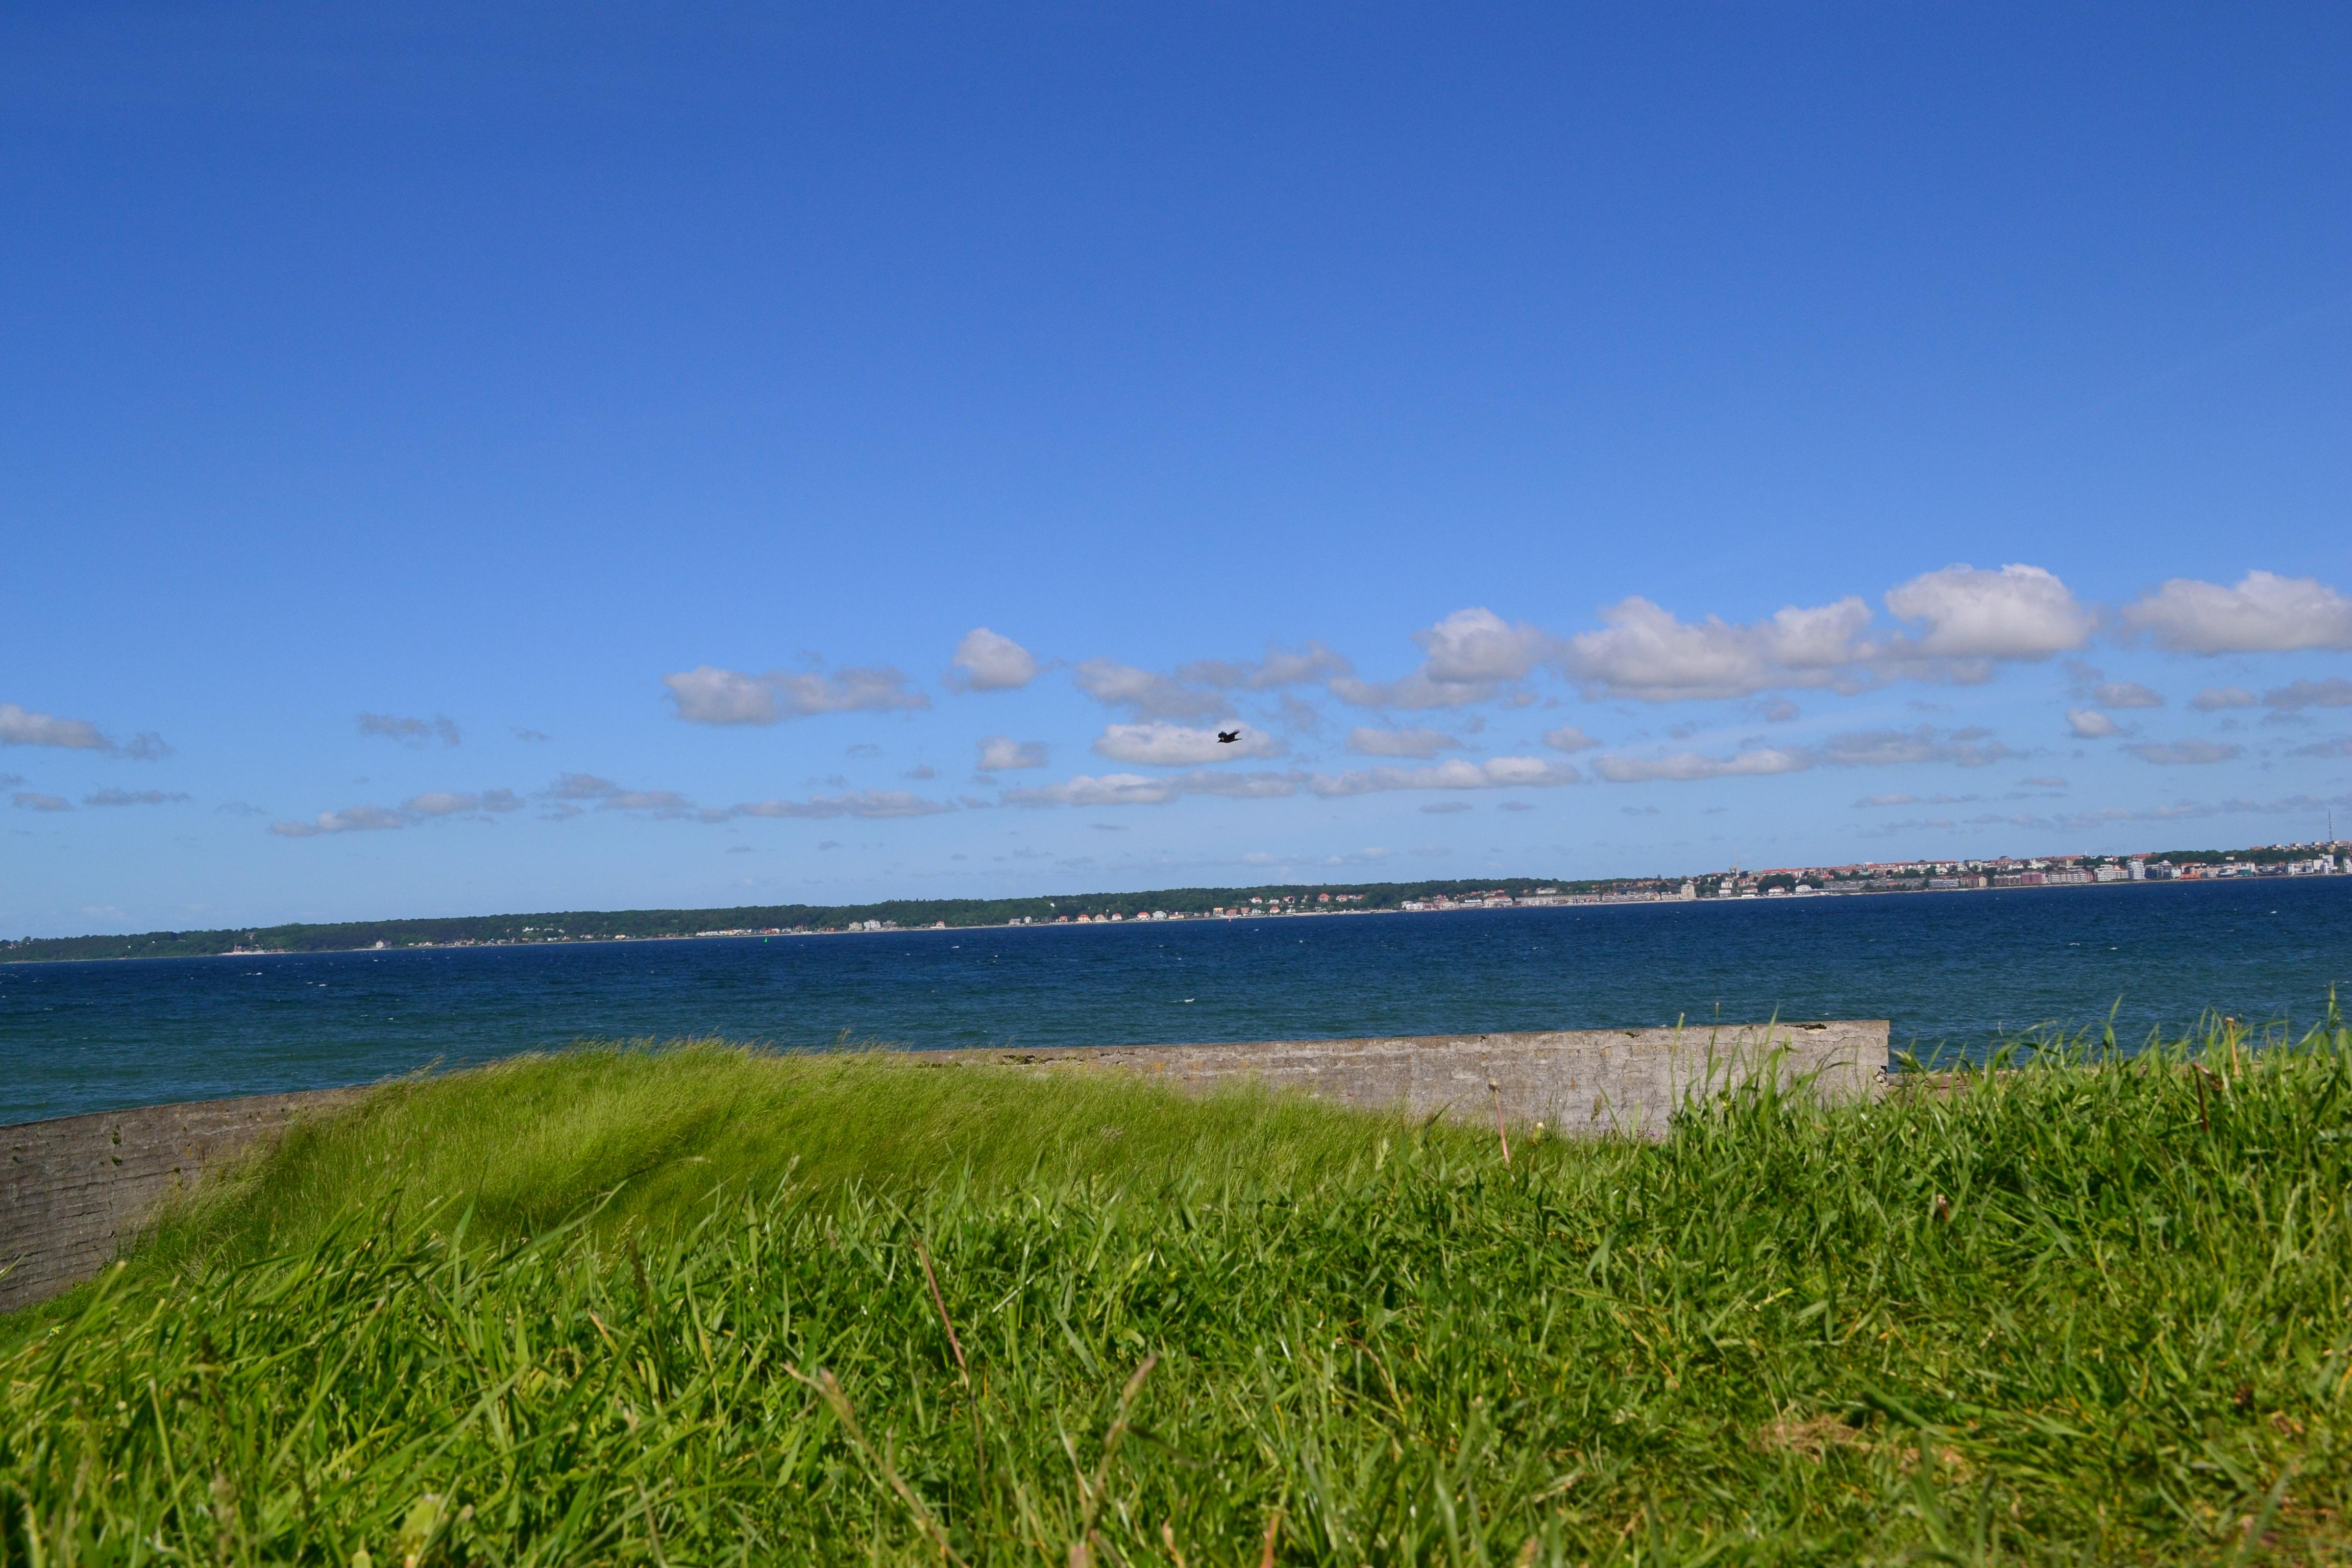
[
  {"x": 1145, "y": 694},
  {"x": 1366, "y": 741},
  {"x": 2341, "y": 746},
  {"x": 27, "y": 800},
  {"x": 416, "y": 808},
  {"x": 1644, "y": 652},
  {"x": 1280, "y": 666},
  {"x": 1495, "y": 772},
  {"x": 1478, "y": 646},
  {"x": 1691, "y": 766},
  {"x": 1003, "y": 753},
  {"x": 986, "y": 661},
  {"x": 1165, "y": 745},
  {"x": 1447, "y": 807},
  {"x": 2266, "y": 613},
  {"x": 1569, "y": 738},
  {"x": 2125, "y": 694},
  {"x": 132, "y": 797},
  {"x": 1879, "y": 800},
  {"x": 2215, "y": 698},
  {"x": 609, "y": 796},
  {"x": 2178, "y": 753},
  {"x": 446, "y": 802},
  {"x": 1966, "y": 748},
  {"x": 2018, "y": 612},
  {"x": 410, "y": 732},
  {"x": 2333, "y": 692},
  {"x": 707, "y": 695},
  {"x": 23, "y": 727},
  {"x": 2090, "y": 724},
  {"x": 872, "y": 803},
  {"x": 351, "y": 819}
]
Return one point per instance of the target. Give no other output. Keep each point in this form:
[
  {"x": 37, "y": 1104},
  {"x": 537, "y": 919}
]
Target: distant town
[{"x": 2312, "y": 859}]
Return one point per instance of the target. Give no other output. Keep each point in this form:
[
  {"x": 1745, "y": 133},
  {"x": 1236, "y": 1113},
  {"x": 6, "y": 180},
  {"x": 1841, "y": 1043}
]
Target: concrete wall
[
  {"x": 1577, "y": 1083},
  {"x": 74, "y": 1190}
]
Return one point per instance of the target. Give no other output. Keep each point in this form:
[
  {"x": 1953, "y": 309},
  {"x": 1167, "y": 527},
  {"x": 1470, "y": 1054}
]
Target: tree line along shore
[{"x": 1167, "y": 903}]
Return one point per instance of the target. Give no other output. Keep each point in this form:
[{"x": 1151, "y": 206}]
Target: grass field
[{"x": 694, "y": 1306}]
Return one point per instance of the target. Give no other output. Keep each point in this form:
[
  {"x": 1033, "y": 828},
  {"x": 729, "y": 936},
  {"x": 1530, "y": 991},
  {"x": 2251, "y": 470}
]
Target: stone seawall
[
  {"x": 1579, "y": 1083},
  {"x": 74, "y": 1190}
]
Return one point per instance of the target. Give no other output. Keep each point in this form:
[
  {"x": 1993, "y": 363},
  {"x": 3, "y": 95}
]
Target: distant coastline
[{"x": 1285, "y": 900}]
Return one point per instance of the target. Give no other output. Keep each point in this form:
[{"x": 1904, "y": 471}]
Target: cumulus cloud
[
  {"x": 2215, "y": 698},
  {"x": 1478, "y": 646},
  {"x": 2090, "y": 724},
  {"x": 2266, "y": 613},
  {"x": 1281, "y": 667},
  {"x": 1495, "y": 772},
  {"x": 1469, "y": 657},
  {"x": 1569, "y": 738},
  {"x": 1644, "y": 651},
  {"x": 707, "y": 695},
  {"x": 871, "y": 803},
  {"x": 410, "y": 732},
  {"x": 23, "y": 727},
  {"x": 2019, "y": 612},
  {"x": 2179, "y": 754},
  {"x": 1003, "y": 753},
  {"x": 2333, "y": 692},
  {"x": 1366, "y": 741},
  {"x": 2341, "y": 746},
  {"x": 1144, "y": 694},
  {"x": 987, "y": 661},
  {"x": 2125, "y": 694},
  {"x": 132, "y": 797},
  {"x": 27, "y": 800},
  {"x": 1162, "y": 744}
]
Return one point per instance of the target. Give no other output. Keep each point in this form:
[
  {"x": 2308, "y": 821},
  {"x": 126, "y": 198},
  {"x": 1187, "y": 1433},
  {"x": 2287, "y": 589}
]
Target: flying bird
[{"x": 1228, "y": 737}]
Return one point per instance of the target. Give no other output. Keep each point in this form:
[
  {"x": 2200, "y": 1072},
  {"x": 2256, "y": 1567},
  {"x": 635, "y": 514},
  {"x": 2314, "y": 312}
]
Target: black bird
[{"x": 1228, "y": 737}]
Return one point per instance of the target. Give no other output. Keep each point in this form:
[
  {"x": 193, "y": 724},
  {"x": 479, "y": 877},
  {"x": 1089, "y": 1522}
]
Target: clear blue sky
[{"x": 459, "y": 459}]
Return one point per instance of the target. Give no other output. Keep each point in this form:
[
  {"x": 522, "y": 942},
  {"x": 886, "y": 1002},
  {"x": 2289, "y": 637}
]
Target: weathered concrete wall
[
  {"x": 1576, "y": 1083},
  {"x": 72, "y": 1191}
]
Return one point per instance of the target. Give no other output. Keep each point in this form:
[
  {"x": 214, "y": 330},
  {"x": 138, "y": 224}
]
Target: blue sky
[{"x": 556, "y": 457}]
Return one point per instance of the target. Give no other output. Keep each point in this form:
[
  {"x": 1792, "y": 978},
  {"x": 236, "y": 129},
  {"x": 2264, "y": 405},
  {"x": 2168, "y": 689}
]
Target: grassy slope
[{"x": 2067, "y": 1316}]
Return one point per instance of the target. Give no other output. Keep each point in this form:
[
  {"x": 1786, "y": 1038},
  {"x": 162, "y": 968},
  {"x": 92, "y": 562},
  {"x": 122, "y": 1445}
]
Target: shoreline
[{"x": 1538, "y": 903}]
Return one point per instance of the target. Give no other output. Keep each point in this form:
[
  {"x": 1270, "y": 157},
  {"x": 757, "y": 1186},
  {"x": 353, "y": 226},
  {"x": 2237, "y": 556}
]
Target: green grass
[{"x": 2096, "y": 1311}]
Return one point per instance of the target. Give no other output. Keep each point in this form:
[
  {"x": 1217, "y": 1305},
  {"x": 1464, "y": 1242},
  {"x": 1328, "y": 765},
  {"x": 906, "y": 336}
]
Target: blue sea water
[{"x": 1955, "y": 969}]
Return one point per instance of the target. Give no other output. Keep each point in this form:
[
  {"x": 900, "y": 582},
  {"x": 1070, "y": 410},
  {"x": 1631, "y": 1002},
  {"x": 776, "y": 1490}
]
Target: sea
[{"x": 1954, "y": 973}]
